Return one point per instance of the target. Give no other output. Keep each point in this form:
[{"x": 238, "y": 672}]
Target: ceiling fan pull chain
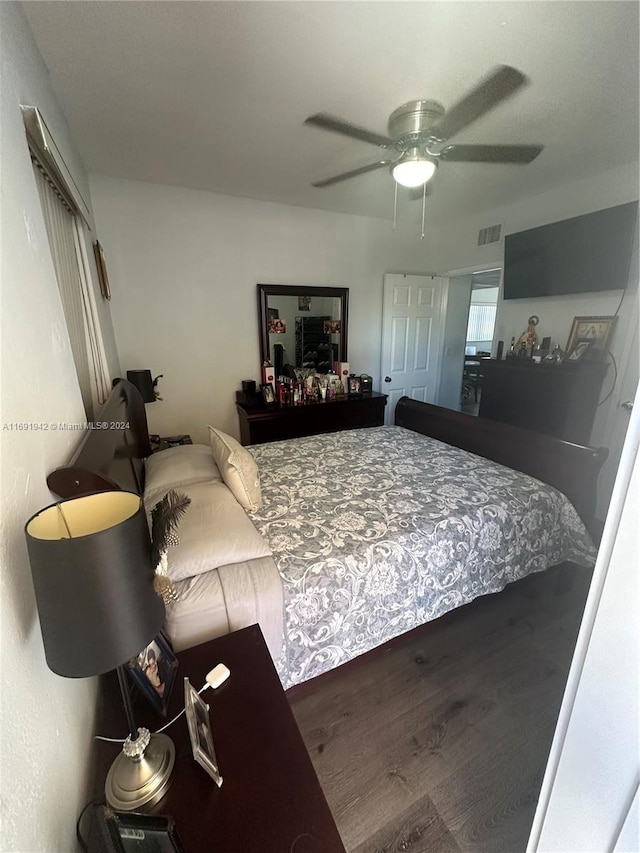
[
  {"x": 395, "y": 204},
  {"x": 424, "y": 200}
]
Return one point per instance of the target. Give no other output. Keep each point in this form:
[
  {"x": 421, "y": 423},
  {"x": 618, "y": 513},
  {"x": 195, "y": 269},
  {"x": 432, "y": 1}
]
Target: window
[
  {"x": 482, "y": 320},
  {"x": 63, "y": 216}
]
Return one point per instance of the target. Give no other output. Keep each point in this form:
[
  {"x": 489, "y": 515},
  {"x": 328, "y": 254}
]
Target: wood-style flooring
[{"x": 438, "y": 741}]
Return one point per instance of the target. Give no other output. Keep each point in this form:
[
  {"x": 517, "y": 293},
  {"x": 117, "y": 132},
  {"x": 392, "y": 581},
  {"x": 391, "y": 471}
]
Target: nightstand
[
  {"x": 164, "y": 442},
  {"x": 270, "y": 799}
]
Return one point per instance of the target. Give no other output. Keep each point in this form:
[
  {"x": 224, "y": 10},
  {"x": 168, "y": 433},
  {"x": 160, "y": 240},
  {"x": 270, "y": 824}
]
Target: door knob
[{"x": 387, "y": 379}]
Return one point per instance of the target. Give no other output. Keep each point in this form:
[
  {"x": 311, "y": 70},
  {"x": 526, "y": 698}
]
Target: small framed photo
[
  {"x": 200, "y": 735},
  {"x": 277, "y": 326},
  {"x": 354, "y": 384},
  {"x": 268, "y": 394},
  {"x": 304, "y": 303},
  {"x": 597, "y": 330},
  {"x": 153, "y": 671},
  {"x": 579, "y": 351},
  {"x": 101, "y": 265}
]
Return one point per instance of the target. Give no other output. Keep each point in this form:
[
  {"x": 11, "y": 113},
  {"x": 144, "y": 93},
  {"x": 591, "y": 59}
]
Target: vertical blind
[
  {"x": 70, "y": 263},
  {"x": 482, "y": 319}
]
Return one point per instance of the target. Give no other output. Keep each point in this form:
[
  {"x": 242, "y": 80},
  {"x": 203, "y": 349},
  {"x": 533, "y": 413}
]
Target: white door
[{"x": 411, "y": 338}]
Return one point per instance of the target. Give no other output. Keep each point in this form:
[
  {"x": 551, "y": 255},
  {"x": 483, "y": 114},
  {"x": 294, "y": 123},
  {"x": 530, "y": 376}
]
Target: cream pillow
[
  {"x": 176, "y": 467},
  {"x": 214, "y": 531},
  {"x": 238, "y": 468}
]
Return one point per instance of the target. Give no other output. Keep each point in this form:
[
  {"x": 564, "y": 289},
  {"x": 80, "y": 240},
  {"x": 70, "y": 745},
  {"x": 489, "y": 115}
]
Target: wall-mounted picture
[
  {"x": 101, "y": 265},
  {"x": 200, "y": 735},
  {"x": 153, "y": 671},
  {"x": 304, "y": 303},
  {"x": 277, "y": 326},
  {"x": 332, "y": 327},
  {"x": 268, "y": 394},
  {"x": 579, "y": 351},
  {"x": 597, "y": 331}
]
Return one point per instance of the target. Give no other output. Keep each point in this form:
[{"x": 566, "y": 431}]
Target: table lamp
[
  {"x": 145, "y": 384},
  {"x": 91, "y": 563}
]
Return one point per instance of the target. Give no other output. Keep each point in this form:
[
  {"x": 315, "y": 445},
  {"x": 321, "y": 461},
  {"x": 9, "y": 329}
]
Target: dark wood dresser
[
  {"x": 273, "y": 423},
  {"x": 555, "y": 399}
]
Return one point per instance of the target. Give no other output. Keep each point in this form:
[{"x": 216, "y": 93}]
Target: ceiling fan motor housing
[{"x": 411, "y": 125}]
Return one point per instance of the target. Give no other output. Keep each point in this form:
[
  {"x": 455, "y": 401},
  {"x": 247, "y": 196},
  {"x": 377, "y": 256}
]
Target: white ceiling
[{"x": 213, "y": 95}]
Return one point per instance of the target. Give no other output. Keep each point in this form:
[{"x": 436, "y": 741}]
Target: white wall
[
  {"x": 456, "y": 249},
  {"x": 184, "y": 266},
  {"x": 458, "y": 293},
  {"x": 47, "y": 721}
]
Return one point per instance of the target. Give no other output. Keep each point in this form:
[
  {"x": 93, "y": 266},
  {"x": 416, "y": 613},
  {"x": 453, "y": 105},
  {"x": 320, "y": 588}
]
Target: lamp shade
[
  {"x": 144, "y": 383},
  {"x": 91, "y": 565},
  {"x": 413, "y": 169}
]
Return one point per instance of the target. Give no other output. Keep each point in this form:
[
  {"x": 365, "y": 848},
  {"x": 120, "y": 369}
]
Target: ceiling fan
[{"x": 419, "y": 129}]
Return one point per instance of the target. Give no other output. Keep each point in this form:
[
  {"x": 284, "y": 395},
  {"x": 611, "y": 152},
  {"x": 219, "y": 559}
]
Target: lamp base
[{"x": 132, "y": 782}]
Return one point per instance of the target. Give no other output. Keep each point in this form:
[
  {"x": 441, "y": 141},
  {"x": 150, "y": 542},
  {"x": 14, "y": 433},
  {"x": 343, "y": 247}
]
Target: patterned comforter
[{"x": 376, "y": 531}]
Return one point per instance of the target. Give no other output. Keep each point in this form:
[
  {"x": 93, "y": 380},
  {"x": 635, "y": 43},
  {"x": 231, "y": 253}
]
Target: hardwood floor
[{"x": 439, "y": 740}]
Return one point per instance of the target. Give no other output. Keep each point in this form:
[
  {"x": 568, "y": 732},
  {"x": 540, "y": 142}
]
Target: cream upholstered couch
[{"x": 222, "y": 569}]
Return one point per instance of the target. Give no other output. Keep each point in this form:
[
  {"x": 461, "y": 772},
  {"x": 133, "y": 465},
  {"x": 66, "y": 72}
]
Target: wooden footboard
[{"x": 571, "y": 468}]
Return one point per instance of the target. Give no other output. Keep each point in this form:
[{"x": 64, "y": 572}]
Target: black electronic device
[
  {"x": 249, "y": 386},
  {"x": 130, "y": 832},
  {"x": 584, "y": 254},
  {"x": 500, "y": 349}
]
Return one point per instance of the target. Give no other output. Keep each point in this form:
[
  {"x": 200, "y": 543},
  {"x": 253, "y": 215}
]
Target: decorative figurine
[{"x": 529, "y": 337}]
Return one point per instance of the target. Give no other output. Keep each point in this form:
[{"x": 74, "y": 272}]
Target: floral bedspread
[{"x": 376, "y": 531}]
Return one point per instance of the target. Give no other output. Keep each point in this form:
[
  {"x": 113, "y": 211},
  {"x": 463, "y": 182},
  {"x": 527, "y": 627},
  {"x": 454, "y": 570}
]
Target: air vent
[{"x": 489, "y": 235}]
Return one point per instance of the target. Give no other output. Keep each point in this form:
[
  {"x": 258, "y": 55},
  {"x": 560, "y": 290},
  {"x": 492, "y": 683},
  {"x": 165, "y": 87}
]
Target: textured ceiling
[{"x": 213, "y": 95}]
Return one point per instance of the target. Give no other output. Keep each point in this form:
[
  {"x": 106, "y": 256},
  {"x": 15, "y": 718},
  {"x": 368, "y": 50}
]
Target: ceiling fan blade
[
  {"x": 329, "y": 122},
  {"x": 491, "y": 153},
  {"x": 345, "y": 175},
  {"x": 496, "y": 87}
]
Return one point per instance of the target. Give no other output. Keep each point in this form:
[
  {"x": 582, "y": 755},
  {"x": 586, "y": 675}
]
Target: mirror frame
[{"x": 267, "y": 290}]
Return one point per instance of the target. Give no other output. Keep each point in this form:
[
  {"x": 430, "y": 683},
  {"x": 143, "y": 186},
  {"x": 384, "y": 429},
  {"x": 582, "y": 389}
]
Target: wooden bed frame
[{"x": 112, "y": 456}]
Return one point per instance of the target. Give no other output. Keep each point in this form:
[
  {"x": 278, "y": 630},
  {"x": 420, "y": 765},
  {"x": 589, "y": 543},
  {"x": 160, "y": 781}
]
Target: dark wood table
[{"x": 270, "y": 799}]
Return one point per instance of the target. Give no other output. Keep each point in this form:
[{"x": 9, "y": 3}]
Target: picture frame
[
  {"x": 199, "y": 725},
  {"x": 354, "y": 385},
  {"x": 277, "y": 326},
  {"x": 597, "y": 330},
  {"x": 101, "y": 266},
  {"x": 153, "y": 671},
  {"x": 304, "y": 303},
  {"x": 579, "y": 351},
  {"x": 268, "y": 393}
]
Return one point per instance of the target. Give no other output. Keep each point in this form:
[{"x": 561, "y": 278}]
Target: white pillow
[
  {"x": 176, "y": 467},
  {"x": 213, "y": 532},
  {"x": 238, "y": 469}
]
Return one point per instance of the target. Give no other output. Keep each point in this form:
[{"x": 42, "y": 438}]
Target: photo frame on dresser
[
  {"x": 597, "y": 331},
  {"x": 153, "y": 671},
  {"x": 199, "y": 724}
]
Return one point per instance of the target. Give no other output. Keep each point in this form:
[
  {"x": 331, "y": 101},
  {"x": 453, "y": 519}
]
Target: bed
[{"x": 348, "y": 539}]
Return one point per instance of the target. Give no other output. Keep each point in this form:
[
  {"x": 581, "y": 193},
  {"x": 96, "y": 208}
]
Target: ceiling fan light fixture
[{"x": 413, "y": 169}]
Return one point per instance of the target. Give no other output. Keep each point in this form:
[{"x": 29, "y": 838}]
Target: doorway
[{"x": 481, "y": 322}]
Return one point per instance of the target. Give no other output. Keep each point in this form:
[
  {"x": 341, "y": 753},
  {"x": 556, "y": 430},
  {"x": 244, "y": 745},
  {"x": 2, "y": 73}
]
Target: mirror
[{"x": 302, "y": 326}]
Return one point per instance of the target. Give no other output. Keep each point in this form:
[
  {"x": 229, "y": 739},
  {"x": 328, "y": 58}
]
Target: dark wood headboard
[
  {"x": 111, "y": 454},
  {"x": 571, "y": 468}
]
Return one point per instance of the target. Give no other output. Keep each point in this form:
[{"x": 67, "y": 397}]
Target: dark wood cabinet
[
  {"x": 273, "y": 423},
  {"x": 555, "y": 399}
]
